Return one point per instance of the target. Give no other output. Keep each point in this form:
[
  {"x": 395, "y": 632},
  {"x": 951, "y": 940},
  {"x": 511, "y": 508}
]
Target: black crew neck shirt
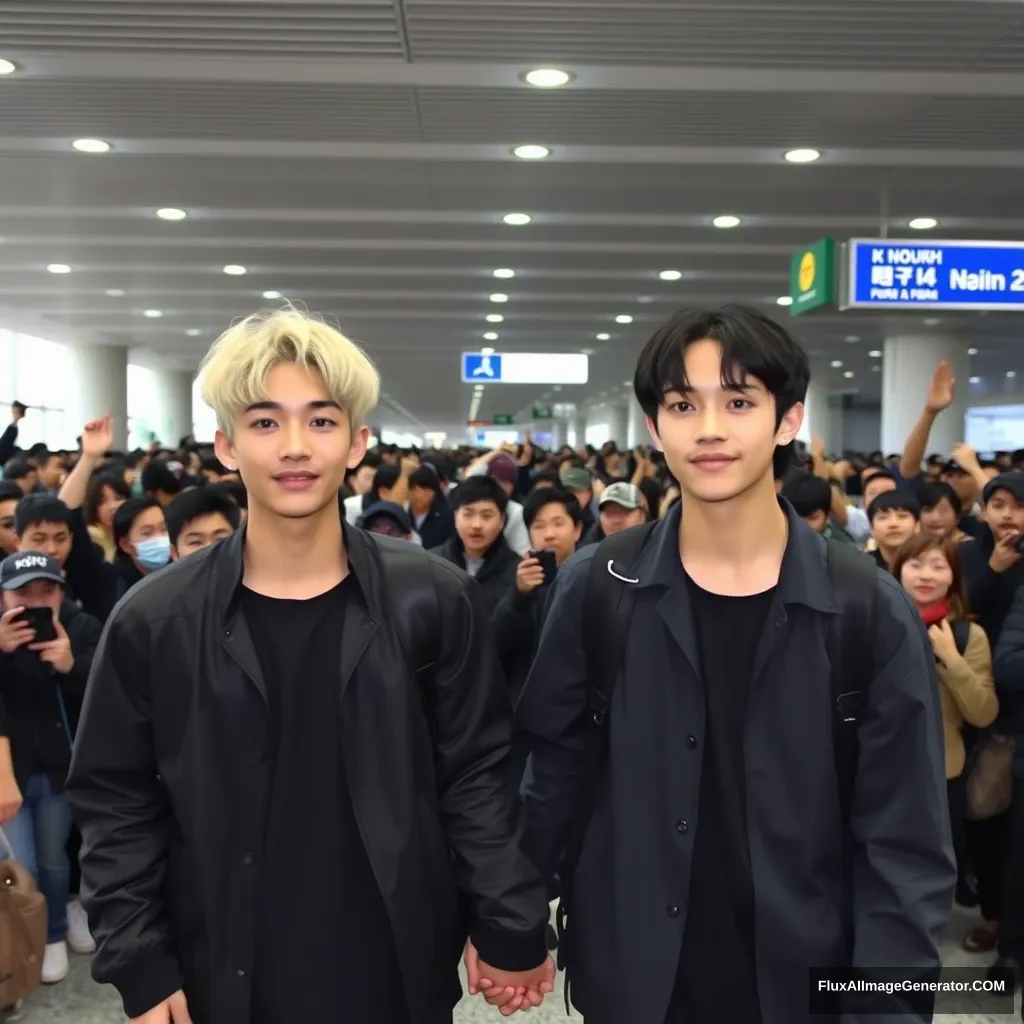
[
  {"x": 324, "y": 946},
  {"x": 716, "y": 979}
]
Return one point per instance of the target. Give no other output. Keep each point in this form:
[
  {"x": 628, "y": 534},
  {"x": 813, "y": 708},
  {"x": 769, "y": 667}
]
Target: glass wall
[{"x": 38, "y": 373}]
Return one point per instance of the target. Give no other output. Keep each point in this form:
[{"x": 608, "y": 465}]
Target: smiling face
[
  {"x": 927, "y": 577},
  {"x": 719, "y": 440},
  {"x": 293, "y": 448}
]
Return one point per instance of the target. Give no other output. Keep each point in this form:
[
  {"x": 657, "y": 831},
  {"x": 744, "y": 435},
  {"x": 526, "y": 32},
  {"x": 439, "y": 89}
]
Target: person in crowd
[
  {"x": 198, "y": 518},
  {"x": 545, "y": 478},
  {"x": 580, "y": 484},
  {"x": 21, "y": 472},
  {"x": 941, "y": 511},
  {"x": 478, "y": 545},
  {"x": 104, "y": 494},
  {"x": 877, "y": 481},
  {"x": 388, "y": 519},
  {"x": 10, "y": 495},
  {"x": 430, "y": 511},
  {"x": 235, "y": 491},
  {"x": 928, "y": 566},
  {"x": 385, "y": 482},
  {"x": 43, "y": 523},
  {"x": 42, "y": 680},
  {"x": 360, "y": 479},
  {"x": 622, "y": 505},
  {"x": 143, "y": 546},
  {"x": 811, "y": 498},
  {"x": 500, "y": 465},
  {"x": 213, "y": 471},
  {"x": 228, "y": 682},
  {"x": 50, "y": 469},
  {"x": 9, "y": 438},
  {"x": 160, "y": 483},
  {"x": 672, "y": 917},
  {"x": 895, "y": 516}
]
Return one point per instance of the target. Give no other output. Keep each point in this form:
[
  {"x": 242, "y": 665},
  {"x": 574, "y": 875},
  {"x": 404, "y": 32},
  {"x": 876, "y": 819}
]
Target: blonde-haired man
[{"x": 288, "y": 787}]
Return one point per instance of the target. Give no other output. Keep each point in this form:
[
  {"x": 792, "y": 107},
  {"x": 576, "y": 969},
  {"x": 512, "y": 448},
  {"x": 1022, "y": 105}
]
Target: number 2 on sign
[{"x": 1017, "y": 285}]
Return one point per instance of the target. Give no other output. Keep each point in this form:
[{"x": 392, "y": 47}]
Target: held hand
[
  {"x": 943, "y": 642},
  {"x": 1005, "y": 554},
  {"x": 942, "y": 389},
  {"x": 509, "y": 991},
  {"x": 10, "y": 799},
  {"x": 529, "y": 575},
  {"x": 56, "y": 652},
  {"x": 98, "y": 436},
  {"x": 14, "y": 631},
  {"x": 171, "y": 1011},
  {"x": 966, "y": 456}
]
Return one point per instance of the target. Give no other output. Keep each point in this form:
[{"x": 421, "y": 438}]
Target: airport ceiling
[{"x": 357, "y": 157}]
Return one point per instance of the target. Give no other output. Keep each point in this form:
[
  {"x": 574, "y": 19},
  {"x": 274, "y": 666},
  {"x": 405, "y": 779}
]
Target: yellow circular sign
[{"x": 808, "y": 267}]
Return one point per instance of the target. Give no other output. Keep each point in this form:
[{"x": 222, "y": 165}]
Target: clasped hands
[{"x": 509, "y": 991}]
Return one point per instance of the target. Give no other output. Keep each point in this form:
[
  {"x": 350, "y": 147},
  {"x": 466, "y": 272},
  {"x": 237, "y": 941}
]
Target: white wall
[{"x": 862, "y": 430}]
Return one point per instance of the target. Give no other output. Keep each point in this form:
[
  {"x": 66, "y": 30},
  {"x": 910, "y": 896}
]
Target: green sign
[
  {"x": 812, "y": 277},
  {"x": 543, "y": 412},
  {"x": 504, "y": 419}
]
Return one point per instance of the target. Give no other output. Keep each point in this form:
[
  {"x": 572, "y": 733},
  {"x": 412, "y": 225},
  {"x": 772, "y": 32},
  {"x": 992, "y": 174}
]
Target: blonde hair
[{"x": 234, "y": 372}]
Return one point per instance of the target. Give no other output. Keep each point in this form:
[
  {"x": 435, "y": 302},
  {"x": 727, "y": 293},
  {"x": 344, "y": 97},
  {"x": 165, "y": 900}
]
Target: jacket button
[
  {"x": 691, "y": 741},
  {"x": 249, "y": 859},
  {"x": 672, "y": 910},
  {"x": 682, "y": 827}
]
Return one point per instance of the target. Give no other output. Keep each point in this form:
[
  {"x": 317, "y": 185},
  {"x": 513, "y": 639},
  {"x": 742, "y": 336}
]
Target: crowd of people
[{"x": 220, "y": 667}]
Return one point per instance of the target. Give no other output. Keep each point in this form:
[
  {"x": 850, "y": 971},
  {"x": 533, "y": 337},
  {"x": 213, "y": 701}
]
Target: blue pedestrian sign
[
  {"x": 478, "y": 367},
  {"x": 897, "y": 274}
]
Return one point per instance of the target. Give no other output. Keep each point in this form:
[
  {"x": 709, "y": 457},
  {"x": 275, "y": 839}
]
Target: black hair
[
  {"x": 158, "y": 476},
  {"x": 546, "y": 476},
  {"x": 808, "y": 494},
  {"x": 653, "y": 492},
  {"x": 233, "y": 489},
  {"x": 125, "y": 516},
  {"x": 900, "y": 499},
  {"x": 878, "y": 474},
  {"x": 94, "y": 494},
  {"x": 929, "y": 495},
  {"x": 40, "y": 508},
  {"x": 545, "y": 496},
  {"x": 10, "y": 492},
  {"x": 479, "y": 488},
  {"x": 18, "y": 468},
  {"x": 38, "y": 450},
  {"x": 425, "y": 476},
  {"x": 199, "y": 501},
  {"x": 20, "y": 406},
  {"x": 386, "y": 476},
  {"x": 211, "y": 464}
]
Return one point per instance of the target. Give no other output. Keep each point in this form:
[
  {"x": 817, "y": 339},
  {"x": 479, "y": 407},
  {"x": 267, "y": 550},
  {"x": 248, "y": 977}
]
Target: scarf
[{"x": 934, "y": 613}]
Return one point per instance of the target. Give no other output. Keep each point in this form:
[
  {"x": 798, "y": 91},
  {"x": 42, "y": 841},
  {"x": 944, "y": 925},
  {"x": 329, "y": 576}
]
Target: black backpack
[{"x": 607, "y": 610}]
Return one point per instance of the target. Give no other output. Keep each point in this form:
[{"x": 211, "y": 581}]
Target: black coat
[
  {"x": 30, "y": 701},
  {"x": 170, "y": 786},
  {"x": 496, "y": 577},
  {"x": 439, "y": 526}
]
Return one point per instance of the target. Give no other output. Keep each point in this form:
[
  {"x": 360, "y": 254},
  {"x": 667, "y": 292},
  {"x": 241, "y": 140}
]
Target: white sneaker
[
  {"x": 55, "y": 963},
  {"x": 79, "y": 937}
]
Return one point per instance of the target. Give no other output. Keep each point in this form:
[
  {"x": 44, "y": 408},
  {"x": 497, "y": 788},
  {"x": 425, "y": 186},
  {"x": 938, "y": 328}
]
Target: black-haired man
[
  {"x": 711, "y": 876},
  {"x": 388, "y": 519},
  {"x": 895, "y": 517},
  {"x": 159, "y": 481},
  {"x": 21, "y": 472},
  {"x": 43, "y": 523},
  {"x": 10, "y": 495},
  {"x": 811, "y": 498},
  {"x": 198, "y": 518}
]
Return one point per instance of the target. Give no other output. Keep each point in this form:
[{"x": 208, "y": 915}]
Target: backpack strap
[
  {"x": 607, "y": 608},
  {"x": 961, "y": 634},
  {"x": 854, "y": 579}
]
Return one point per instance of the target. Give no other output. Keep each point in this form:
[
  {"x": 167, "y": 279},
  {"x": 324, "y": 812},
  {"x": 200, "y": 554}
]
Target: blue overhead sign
[
  {"x": 897, "y": 274},
  {"x": 476, "y": 367}
]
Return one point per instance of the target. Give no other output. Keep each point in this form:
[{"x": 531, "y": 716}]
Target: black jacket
[
  {"x": 439, "y": 526},
  {"x": 518, "y": 619},
  {"x": 632, "y": 880},
  {"x": 1008, "y": 670},
  {"x": 170, "y": 785},
  {"x": 496, "y": 576},
  {"x": 30, "y": 708}
]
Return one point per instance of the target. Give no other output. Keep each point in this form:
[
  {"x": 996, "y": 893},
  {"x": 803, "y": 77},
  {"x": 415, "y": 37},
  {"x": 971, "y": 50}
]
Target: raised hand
[
  {"x": 942, "y": 389},
  {"x": 98, "y": 436}
]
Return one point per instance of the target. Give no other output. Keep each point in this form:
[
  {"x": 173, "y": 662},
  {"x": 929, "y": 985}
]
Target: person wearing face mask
[{"x": 143, "y": 545}]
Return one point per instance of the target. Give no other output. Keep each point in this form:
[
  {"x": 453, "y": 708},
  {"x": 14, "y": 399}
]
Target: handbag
[
  {"x": 22, "y": 929},
  {"x": 990, "y": 781}
]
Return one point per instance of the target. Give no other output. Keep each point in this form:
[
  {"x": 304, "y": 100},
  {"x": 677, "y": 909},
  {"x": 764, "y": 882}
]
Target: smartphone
[
  {"x": 548, "y": 564},
  {"x": 41, "y": 620}
]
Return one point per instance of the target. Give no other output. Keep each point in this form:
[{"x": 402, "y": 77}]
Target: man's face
[
  {"x": 615, "y": 518},
  {"x": 53, "y": 539},
  {"x": 817, "y": 521},
  {"x": 965, "y": 487},
  {"x": 875, "y": 486},
  {"x": 387, "y": 526},
  {"x": 51, "y": 472},
  {"x": 362, "y": 479},
  {"x": 293, "y": 449},
  {"x": 420, "y": 500},
  {"x": 719, "y": 442},
  {"x": 200, "y": 533},
  {"x": 584, "y": 497},
  {"x": 37, "y": 594},
  {"x": 8, "y": 538},
  {"x": 892, "y": 526},
  {"x": 553, "y": 529},
  {"x": 1004, "y": 514},
  {"x": 29, "y": 482},
  {"x": 478, "y": 524},
  {"x": 940, "y": 520}
]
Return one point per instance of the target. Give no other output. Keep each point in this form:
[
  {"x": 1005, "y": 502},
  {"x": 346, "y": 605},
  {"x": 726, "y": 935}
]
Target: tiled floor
[{"x": 79, "y": 1001}]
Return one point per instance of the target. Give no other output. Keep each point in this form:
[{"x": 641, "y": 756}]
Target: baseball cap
[
  {"x": 622, "y": 493},
  {"x": 577, "y": 480},
  {"x": 1012, "y": 482},
  {"x": 391, "y": 509},
  {"x": 503, "y": 468},
  {"x": 21, "y": 568}
]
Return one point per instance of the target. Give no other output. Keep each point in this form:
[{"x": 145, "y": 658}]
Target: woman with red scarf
[{"x": 929, "y": 569}]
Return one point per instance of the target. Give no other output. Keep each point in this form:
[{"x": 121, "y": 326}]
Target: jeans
[{"x": 39, "y": 836}]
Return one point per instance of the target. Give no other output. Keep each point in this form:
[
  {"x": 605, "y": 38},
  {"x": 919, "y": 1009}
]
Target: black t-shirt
[
  {"x": 324, "y": 946},
  {"x": 717, "y": 976}
]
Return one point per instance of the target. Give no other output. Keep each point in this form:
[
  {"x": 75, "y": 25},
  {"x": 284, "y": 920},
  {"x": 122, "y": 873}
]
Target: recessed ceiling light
[
  {"x": 851, "y": 338},
  {"x": 670, "y": 275},
  {"x": 547, "y": 78},
  {"x": 115, "y": 293},
  {"x": 235, "y": 270},
  {"x": 499, "y": 297},
  {"x": 271, "y": 294},
  {"x": 7, "y": 67},
  {"x": 848, "y": 375},
  {"x": 91, "y": 145},
  {"x": 504, "y": 273},
  {"x": 623, "y": 318},
  {"x": 933, "y": 321},
  {"x": 784, "y": 300},
  {"x": 58, "y": 268},
  {"x": 487, "y": 351},
  {"x": 972, "y": 351},
  {"x": 604, "y": 337},
  {"x": 802, "y": 156},
  {"x": 726, "y": 220},
  {"x": 836, "y": 363},
  {"x": 517, "y": 220},
  {"x": 586, "y": 351},
  {"x": 494, "y": 318},
  {"x": 1011, "y": 373},
  {"x": 973, "y": 380},
  {"x": 193, "y": 332},
  {"x": 490, "y": 335},
  {"x": 531, "y": 152},
  {"x": 923, "y": 223},
  {"x": 875, "y": 353},
  {"x": 171, "y": 213},
  {"x": 152, "y": 314}
]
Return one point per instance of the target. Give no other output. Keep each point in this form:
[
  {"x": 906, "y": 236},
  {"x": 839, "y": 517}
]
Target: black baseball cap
[
  {"x": 1012, "y": 482},
  {"x": 391, "y": 509},
  {"x": 21, "y": 568}
]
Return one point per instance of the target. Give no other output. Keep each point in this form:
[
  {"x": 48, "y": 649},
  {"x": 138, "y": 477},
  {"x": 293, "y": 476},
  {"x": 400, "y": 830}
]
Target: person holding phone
[{"x": 46, "y": 649}]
